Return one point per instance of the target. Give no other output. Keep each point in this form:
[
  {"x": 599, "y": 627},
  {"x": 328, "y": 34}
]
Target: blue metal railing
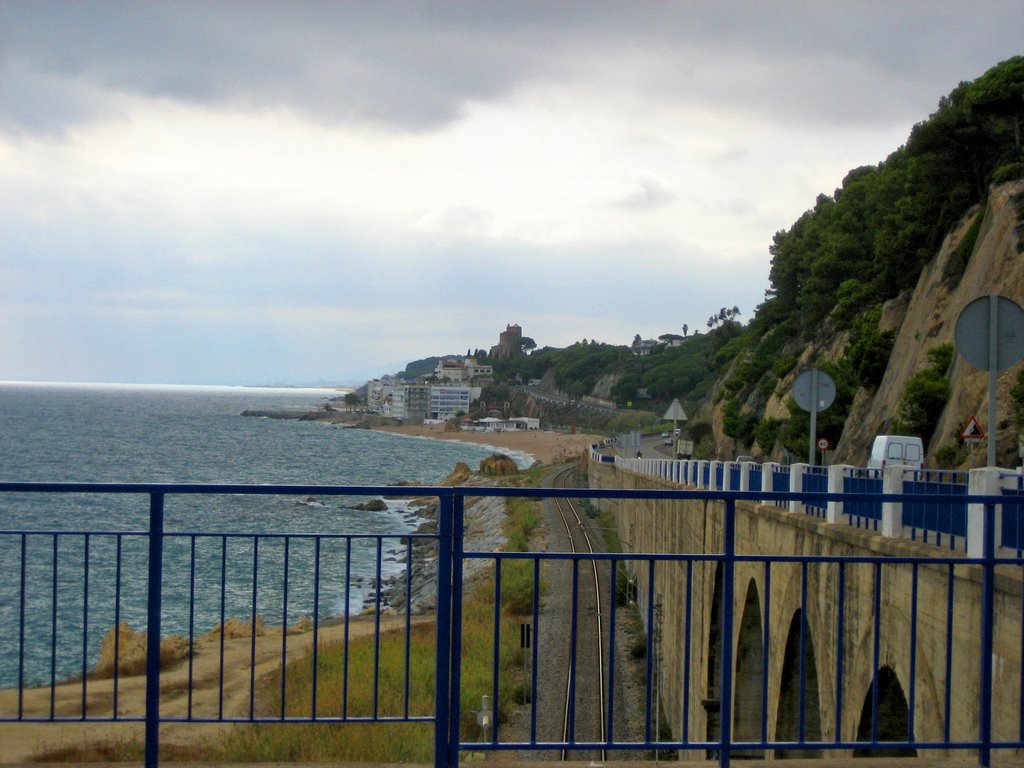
[
  {"x": 206, "y": 564},
  {"x": 815, "y": 481},
  {"x": 863, "y": 514},
  {"x": 931, "y": 521},
  {"x": 780, "y": 482},
  {"x": 1012, "y": 525}
]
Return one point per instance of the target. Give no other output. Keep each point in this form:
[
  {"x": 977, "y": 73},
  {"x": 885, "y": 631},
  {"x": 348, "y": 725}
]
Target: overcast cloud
[{"x": 246, "y": 192}]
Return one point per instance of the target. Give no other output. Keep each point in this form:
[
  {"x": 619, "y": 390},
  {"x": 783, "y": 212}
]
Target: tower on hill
[{"x": 510, "y": 343}]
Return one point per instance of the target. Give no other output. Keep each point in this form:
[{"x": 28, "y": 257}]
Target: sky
[{"x": 320, "y": 192}]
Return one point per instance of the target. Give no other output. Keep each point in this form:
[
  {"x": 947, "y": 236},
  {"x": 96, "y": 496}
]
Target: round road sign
[
  {"x": 823, "y": 444},
  {"x": 973, "y": 330},
  {"x": 820, "y": 399}
]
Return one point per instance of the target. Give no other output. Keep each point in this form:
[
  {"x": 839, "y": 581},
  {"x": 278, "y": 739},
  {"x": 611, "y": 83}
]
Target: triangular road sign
[
  {"x": 675, "y": 412},
  {"x": 972, "y": 431}
]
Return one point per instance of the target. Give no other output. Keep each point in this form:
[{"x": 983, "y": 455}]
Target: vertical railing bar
[
  {"x": 376, "y": 628},
  {"x": 948, "y": 694},
  {"x": 766, "y": 652},
  {"x": 53, "y": 633},
  {"x": 408, "y": 621},
  {"x": 610, "y": 712},
  {"x": 21, "y": 627},
  {"x": 913, "y": 653},
  {"x": 345, "y": 642},
  {"x": 649, "y": 665},
  {"x": 1020, "y": 687},
  {"x": 687, "y": 650},
  {"x": 284, "y": 625},
  {"x": 191, "y": 620},
  {"x": 877, "y": 652},
  {"x": 728, "y": 603},
  {"x": 316, "y": 627},
  {"x": 534, "y": 655},
  {"x": 802, "y": 699},
  {"x": 154, "y": 597},
  {"x": 573, "y": 640},
  {"x": 840, "y": 632},
  {"x": 252, "y": 644},
  {"x": 117, "y": 624},
  {"x": 496, "y": 650},
  {"x": 223, "y": 611},
  {"x": 455, "y": 691},
  {"x": 85, "y": 624},
  {"x": 987, "y": 636},
  {"x": 442, "y": 647}
]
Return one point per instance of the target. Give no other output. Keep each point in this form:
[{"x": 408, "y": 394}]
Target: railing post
[
  {"x": 153, "y": 606},
  {"x": 796, "y": 485},
  {"x": 836, "y": 475},
  {"x": 455, "y": 692},
  {"x": 713, "y": 476},
  {"x": 988, "y": 578},
  {"x": 442, "y": 657},
  {"x": 745, "y": 476},
  {"x": 982, "y": 482},
  {"x": 892, "y": 511},
  {"x": 728, "y": 606},
  {"x": 984, "y": 521}
]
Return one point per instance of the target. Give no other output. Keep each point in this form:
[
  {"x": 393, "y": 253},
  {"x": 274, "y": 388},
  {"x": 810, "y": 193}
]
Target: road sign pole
[
  {"x": 814, "y": 416},
  {"x": 993, "y": 373}
]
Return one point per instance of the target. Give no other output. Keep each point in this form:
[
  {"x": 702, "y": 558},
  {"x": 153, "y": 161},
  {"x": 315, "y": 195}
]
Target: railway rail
[{"x": 589, "y": 594}]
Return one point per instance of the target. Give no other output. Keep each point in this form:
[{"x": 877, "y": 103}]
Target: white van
[{"x": 896, "y": 449}]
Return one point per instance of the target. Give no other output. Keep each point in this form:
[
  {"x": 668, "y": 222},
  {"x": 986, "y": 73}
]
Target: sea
[{"x": 82, "y": 570}]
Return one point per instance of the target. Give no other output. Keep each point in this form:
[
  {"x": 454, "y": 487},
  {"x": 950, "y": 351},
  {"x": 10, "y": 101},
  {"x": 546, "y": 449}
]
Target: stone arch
[
  {"x": 713, "y": 699},
  {"x": 748, "y": 698},
  {"x": 787, "y": 719},
  {"x": 893, "y": 717}
]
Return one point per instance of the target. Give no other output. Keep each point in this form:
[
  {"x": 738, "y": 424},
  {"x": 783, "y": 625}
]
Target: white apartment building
[{"x": 447, "y": 402}]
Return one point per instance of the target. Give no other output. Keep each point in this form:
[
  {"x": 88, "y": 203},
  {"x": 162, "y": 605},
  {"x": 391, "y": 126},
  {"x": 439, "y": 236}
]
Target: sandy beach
[{"x": 546, "y": 447}]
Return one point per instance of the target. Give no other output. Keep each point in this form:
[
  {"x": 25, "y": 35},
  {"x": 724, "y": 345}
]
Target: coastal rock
[
  {"x": 459, "y": 475},
  {"x": 374, "y": 505},
  {"x": 498, "y": 464}
]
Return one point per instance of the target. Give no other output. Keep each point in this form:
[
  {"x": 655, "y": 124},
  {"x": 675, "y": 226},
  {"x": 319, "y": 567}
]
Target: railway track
[{"x": 586, "y": 701}]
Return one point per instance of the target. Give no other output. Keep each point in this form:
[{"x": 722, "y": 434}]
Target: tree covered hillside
[{"x": 867, "y": 243}]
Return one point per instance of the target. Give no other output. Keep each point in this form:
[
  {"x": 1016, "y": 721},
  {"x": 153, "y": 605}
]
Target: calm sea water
[{"x": 73, "y": 593}]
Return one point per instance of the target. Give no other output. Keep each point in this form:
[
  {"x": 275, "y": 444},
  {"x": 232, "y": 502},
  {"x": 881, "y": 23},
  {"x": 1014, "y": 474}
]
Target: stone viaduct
[{"x": 840, "y": 633}]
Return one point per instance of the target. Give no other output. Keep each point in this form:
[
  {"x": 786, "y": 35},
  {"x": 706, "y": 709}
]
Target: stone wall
[{"x": 833, "y": 640}]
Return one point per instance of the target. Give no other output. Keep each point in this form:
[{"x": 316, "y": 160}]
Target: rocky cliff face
[
  {"x": 924, "y": 319},
  {"x": 928, "y": 319}
]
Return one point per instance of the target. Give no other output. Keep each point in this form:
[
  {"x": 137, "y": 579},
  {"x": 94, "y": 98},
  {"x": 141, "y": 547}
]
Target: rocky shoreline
[{"x": 485, "y": 519}]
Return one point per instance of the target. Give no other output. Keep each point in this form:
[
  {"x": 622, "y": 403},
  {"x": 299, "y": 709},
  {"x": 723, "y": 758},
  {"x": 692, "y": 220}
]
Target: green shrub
[
  {"x": 766, "y": 433},
  {"x": 869, "y": 349},
  {"x": 949, "y": 456},
  {"x": 1017, "y": 400},
  {"x": 1008, "y": 172},
  {"x": 925, "y": 396}
]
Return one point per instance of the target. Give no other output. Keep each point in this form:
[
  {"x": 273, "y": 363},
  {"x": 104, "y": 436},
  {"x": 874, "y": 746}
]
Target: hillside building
[
  {"x": 510, "y": 343},
  {"x": 461, "y": 369}
]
